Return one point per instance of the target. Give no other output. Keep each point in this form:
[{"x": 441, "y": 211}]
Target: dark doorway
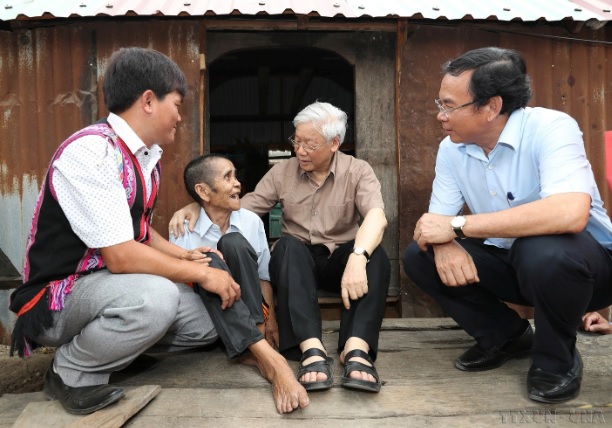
[{"x": 254, "y": 95}]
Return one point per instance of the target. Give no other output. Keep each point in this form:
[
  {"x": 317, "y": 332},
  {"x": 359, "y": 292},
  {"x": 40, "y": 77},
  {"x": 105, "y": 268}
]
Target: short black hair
[
  {"x": 131, "y": 71},
  {"x": 497, "y": 71},
  {"x": 200, "y": 170}
]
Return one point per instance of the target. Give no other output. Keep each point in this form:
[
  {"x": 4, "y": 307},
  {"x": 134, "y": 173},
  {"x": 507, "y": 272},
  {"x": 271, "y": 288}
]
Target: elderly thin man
[
  {"x": 240, "y": 236},
  {"x": 324, "y": 194}
]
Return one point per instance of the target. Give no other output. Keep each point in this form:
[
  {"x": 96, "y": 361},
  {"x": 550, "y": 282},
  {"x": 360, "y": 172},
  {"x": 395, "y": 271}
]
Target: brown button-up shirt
[{"x": 327, "y": 214}]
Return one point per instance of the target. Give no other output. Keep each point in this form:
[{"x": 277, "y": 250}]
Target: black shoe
[
  {"x": 79, "y": 400},
  {"x": 478, "y": 358},
  {"x": 549, "y": 387}
]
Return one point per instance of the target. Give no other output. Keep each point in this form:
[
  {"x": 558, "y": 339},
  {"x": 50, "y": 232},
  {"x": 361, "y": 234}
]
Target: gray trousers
[{"x": 110, "y": 319}]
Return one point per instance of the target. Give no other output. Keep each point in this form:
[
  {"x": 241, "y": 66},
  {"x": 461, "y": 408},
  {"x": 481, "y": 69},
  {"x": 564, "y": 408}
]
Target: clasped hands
[
  {"x": 433, "y": 229},
  {"x": 454, "y": 264}
]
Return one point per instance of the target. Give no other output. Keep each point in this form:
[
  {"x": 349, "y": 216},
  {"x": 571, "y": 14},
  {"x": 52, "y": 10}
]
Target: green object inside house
[{"x": 276, "y": 222}]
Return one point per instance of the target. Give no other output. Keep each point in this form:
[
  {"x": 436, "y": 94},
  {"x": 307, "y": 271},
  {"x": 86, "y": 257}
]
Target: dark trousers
[
  {"x": 561, "y": 276},
  {"x": 236, "y": 326},
  {"x": 297, "y": 269}
]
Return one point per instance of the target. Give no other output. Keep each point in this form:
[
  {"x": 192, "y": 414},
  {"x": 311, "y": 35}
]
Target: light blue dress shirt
[
  {"x": 207, "y": 234},
  {"x": 540, "y": 152}
]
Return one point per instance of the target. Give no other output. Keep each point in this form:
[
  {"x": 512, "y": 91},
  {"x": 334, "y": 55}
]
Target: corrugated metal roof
[{"x": 501, "y": 10}]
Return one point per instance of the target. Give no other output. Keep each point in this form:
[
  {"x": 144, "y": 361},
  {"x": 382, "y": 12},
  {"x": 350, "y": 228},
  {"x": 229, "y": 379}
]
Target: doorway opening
[{"x": 254, "y": 94}]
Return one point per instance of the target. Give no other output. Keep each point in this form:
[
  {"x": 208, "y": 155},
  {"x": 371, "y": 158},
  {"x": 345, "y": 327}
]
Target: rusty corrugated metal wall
[
  {"x": 567, "y": 74},
  {"x": 48, "y": 89}
]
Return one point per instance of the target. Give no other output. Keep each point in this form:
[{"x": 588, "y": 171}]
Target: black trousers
[
  {"x": 236, "y": 326},
  {"x": 297, "y": 269},
  {"x": 561, "y": 276}
]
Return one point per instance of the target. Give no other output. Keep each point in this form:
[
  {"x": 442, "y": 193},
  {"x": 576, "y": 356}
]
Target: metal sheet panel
[{"x": 501, "y": 10}]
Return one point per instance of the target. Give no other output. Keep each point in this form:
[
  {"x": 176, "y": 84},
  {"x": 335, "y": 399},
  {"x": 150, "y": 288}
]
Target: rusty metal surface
[
  {"x": 49, "y": 88},
  {"x": 500, "y": 10}
]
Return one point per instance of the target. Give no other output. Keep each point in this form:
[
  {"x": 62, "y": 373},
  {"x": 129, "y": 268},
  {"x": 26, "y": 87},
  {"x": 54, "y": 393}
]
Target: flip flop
[
  {"x": 351, "y": 366},
  {"x": 317, "y": 366}
]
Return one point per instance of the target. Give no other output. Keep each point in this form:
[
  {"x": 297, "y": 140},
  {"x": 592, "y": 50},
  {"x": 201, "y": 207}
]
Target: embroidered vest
[{"x": 56, "y": 257}]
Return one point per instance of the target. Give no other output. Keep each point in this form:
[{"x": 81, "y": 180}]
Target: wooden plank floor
[{"x": 422, "y": 388}]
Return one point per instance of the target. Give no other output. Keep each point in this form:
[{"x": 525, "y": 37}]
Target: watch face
[
  {"x": 358, "y": 251},
  {"x": 458, "y": 221}
]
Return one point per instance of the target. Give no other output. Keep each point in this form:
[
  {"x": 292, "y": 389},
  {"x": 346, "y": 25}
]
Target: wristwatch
[
  {"x": 457, "y": 224},
  {"x": 361, "y": 252}
]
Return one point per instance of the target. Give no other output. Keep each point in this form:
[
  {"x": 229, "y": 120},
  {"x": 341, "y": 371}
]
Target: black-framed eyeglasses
[
  {"x": 308, "y": 148},
  {"x": 446, "y": 111}
]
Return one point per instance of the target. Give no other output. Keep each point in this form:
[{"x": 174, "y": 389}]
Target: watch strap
[{"x": 364, "y": 253}]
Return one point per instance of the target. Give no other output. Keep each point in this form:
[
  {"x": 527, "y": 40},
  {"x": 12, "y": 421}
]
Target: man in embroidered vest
[{"x": 100, "y": 284}]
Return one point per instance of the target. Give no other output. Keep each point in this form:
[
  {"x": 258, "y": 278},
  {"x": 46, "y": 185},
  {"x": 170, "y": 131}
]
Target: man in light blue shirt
[
  {"x": 239, "y": 236},
  {"x": 536, "y": 233}
]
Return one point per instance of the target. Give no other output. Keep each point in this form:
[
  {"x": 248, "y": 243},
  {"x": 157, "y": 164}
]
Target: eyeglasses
[
  {"x": 446, "y": 111},
  {"x": 307, "y": 147}
]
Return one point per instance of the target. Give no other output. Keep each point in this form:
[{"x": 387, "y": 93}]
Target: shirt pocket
[
  {"x": 339, "y": 219},
  {"x": 295, "y": 217},
  {"x": 522, "y": 199}
]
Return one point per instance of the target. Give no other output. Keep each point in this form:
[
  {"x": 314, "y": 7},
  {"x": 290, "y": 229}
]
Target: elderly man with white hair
[{"x": 333, "y": 224}]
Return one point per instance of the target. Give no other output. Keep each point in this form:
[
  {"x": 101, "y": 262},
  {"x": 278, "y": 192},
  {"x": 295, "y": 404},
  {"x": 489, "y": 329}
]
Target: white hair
[{"x": 329, "y": 120}]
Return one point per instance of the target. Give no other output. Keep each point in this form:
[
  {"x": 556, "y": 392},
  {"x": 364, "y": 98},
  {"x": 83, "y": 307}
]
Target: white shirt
[
  {"x": 207, "y": 234},
  {"x": 88, "y": 186}
]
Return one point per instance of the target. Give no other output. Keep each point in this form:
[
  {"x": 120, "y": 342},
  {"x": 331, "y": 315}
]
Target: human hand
[
  {"x": 433, "y": 229},
  {"x": 455, "y": 265},
  {"x": 221, "y": 283},
  {"x": 189, "y": 212},
  {"x": 594, "y": 322},
  {"x": 197, "y": 255},
  {"x": 354, "y": 283}
]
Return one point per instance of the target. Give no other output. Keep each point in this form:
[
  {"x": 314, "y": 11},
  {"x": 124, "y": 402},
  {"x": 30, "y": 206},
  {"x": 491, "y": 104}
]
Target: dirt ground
[{"x": 18, "y": 375}]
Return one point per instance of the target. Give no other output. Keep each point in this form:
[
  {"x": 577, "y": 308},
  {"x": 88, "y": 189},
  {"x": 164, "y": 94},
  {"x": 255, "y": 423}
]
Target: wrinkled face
[
  {"x": 225, "y": 192},
  {"x": 166, "y": 117},
  {"x": 465, "y": 124},
  {"x": 318, "y": 160}
]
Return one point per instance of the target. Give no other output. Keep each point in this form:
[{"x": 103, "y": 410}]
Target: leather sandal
[
  {"x": 325, "y": 366},
  {"x": 351, "y": 366}
]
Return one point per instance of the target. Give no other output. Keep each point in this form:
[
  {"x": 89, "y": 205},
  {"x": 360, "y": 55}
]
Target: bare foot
[{"x": 288, "y": 393}]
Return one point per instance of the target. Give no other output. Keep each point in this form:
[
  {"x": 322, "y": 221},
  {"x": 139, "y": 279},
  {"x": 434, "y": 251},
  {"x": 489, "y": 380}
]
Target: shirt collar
[
  {"x": 513, "y": 130},
  {"x": 204, "y": 225},
  {"x": 510, "y": 136},
  {"x": 126, "y": 133},
  {"x": 332, "y": 166}
]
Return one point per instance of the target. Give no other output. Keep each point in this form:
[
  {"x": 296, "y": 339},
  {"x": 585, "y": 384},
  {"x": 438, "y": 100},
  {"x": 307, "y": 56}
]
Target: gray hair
[{"x": 329, "y": 120}]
